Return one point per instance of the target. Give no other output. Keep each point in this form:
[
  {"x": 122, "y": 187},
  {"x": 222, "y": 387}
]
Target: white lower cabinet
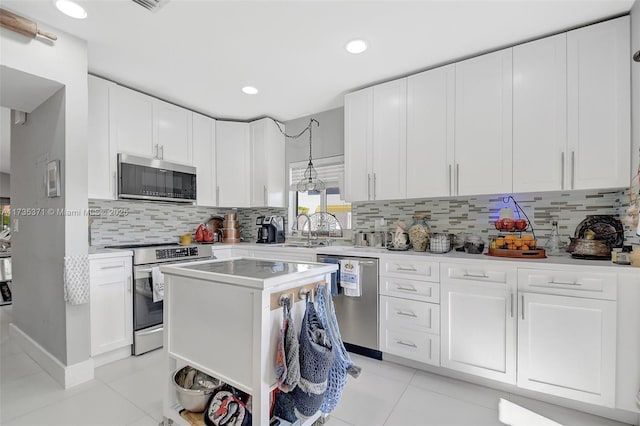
[
  {"x": 479, "y": 320},
  {"x": 111, "y": 304},
  {"x": 567, "y": 347},
  {"x": 409, "y": 309}
]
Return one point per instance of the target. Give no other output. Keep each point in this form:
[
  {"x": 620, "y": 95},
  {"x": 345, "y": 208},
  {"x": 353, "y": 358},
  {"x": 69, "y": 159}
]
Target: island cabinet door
[
  {"x": 479, "y": 330},
  {"x": 567, "y": 347}
]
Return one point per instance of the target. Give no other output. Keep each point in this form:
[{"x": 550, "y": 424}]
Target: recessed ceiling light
[
  {"x": 72, "y": 9},
  {"x": 356, "y": 46},
  {"x": 249, "y": 90}
]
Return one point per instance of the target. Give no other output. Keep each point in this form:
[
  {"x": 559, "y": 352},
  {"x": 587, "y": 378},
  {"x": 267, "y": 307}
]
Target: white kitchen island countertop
[{"x": 250, "y": 272}]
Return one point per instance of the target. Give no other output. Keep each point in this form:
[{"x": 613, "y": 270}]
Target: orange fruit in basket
[
  {"x": 524, "y": 247},
  {"x": 517, "y": 242},
  {"x": 500, "y": 242},
  {"x": 532, "y": 244},
  {"x": 510, "y": 237},
  {"x": 527, "y": 237},
  {"x": 512, "y": 247}
]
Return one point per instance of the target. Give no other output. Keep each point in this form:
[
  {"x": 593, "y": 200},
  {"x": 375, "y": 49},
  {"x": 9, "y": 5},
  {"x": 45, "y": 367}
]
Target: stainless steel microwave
[{"x": 152, "y": 179}]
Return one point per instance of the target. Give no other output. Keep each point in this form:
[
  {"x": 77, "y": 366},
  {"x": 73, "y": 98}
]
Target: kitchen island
[{"x": 223, "y": 317}]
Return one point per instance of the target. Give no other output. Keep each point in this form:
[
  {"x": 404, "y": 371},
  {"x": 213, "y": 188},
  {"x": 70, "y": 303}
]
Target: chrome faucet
[{"x": 307, "y": 221}]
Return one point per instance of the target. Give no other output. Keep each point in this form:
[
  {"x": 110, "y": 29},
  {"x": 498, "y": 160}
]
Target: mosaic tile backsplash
[
  {"x": 140, "y": 222},
  {"x": 153, "y": 222},
  {"x": 476, "y": 214}
]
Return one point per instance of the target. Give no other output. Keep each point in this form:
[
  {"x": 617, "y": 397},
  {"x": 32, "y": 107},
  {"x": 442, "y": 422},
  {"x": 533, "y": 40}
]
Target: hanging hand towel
[
  {"x": 76, "y": 279},
  {"x": 350, "y": 279},
  {"x": 157, "y": 284},
  {"x": 335, "y": 276},
  {"x": 288, "y": 355}
]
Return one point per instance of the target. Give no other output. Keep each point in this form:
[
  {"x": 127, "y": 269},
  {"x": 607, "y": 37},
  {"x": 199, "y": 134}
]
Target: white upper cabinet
[
  {"x": 375, "y": 142},
  {"x": 133, "y": 116},
  {"x": 598, "y": 75},
  {"x": 101, "y": 153},
  {"x": 540, "y": 114},
  {"x": 174, "y": 133},
  {"x": 358, "y": 136},
  {"x": 268, "y": 164},
  {"x": 204, "y": 159},
  {"x": 430, "y": 133},
  {"x": 146, "y": 126},
  {"x": 483, "y": 126},
  {"x": 233, "y": 164},
  {"x": 389, "y": 140}
]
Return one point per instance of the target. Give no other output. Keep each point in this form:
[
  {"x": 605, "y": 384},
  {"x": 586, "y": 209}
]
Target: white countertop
[
  {"x": 565, "y": 259},
  {"x": 249, "y": 272},
  {"x": 102, "y": 253}
]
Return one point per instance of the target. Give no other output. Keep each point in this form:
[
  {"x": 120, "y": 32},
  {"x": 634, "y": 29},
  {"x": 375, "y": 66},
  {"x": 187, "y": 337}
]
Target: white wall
[
  {"x": 635, "y": 87},
  {"x": 5, "y": 139},
  {"x": 5, "y": 185},
  {"x": 65, "y": 62},
  {"x": 39, "y": 308},
  {"x": 328, "y": 139}
]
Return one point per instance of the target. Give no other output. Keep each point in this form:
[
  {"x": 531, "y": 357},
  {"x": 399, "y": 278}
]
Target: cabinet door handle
[
  {"x": 115, "y": 185},
  {"x": 511, "y": 304},
  {"x": 112, "y": 267},
  {"x": 450, "y": 167},
  {"x": 264, "y": 193},
  {"x": 409, "y": 269},
  {"x": 155, "y": 150},
  {"x": 466, "y": 274},
  {"x": 402, "y": 342},
  {"x": 573, "y": 169},
  {"x": 553, "y": 281},
  {"x": 407, "y": 314},
  {"x": 162, "y": 152},
  {"x": 430, "y": 348},
  {"x": 129, "y": 284},
  {"x": 217, "y": 196},
  {"x": 374, "y": 186},
  {"x": 562, "y": 169},
  {"x": 368, "y": 186},
  {"x": 457, "y": 179},
  {"x": 400, "y": 287},
  {"x": 522, "y": 298}
]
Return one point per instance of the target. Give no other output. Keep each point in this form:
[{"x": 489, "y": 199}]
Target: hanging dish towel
[
  {"x": 350, "y": 277},
  {"x": 288, "y": 355},
  {"x": 316, "y": 358},
  {"x": 342, "y": 364},
  {"x": 76, "y": 279},
  {"x": 157, "y": 284},
  {"x": 335, "y": 276}
]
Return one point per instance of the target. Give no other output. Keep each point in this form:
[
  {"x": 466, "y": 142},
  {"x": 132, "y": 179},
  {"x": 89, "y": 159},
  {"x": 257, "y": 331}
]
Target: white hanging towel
[
  {"x": 350, "y": 279},
  {"x": 157, "y": 284}
]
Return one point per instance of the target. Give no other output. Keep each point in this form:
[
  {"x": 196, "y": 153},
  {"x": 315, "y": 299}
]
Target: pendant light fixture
[{"x": 310, "y": 180}]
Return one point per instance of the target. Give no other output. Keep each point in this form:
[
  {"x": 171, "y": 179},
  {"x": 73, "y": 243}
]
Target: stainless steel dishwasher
[{"x": 358, "y": 316}]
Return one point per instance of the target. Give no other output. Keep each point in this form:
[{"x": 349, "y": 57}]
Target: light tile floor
[{"x": 129, "y": 392}]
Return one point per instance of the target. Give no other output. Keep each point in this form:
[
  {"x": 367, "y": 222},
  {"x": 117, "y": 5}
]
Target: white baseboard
[
  {"x": 111, "y": 356},
  {"x": 66, "y": 375}
]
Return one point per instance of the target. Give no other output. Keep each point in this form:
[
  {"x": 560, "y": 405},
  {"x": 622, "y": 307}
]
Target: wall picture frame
[{"x": 53, "y": 178}]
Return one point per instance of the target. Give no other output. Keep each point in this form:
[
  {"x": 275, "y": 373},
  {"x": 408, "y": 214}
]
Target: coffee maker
[{"x": 270, "y": 230}]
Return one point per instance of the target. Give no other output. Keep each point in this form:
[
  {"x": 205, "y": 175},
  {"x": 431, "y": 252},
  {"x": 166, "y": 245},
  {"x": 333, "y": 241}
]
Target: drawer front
[
  {"x": 410, "y": 289},
  {"x": 104, "y": 270},
  {"x": 578, "y": 283},
  {"x": 491, "y": 274},
  {"x": 413, "y": 269},
  {"x": 416, "y": 345},
  {"x": 409, "y": 314}
]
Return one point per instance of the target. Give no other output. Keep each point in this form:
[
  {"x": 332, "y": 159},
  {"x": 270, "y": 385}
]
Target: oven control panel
[{"x": 176, "y": 253}]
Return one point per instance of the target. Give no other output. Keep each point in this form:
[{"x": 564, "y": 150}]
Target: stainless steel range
[{"x": 147, "y": 314}]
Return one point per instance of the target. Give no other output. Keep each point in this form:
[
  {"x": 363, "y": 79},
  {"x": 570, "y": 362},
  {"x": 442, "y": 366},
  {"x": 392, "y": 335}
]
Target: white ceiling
[{"x": 199, "y": 54}]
